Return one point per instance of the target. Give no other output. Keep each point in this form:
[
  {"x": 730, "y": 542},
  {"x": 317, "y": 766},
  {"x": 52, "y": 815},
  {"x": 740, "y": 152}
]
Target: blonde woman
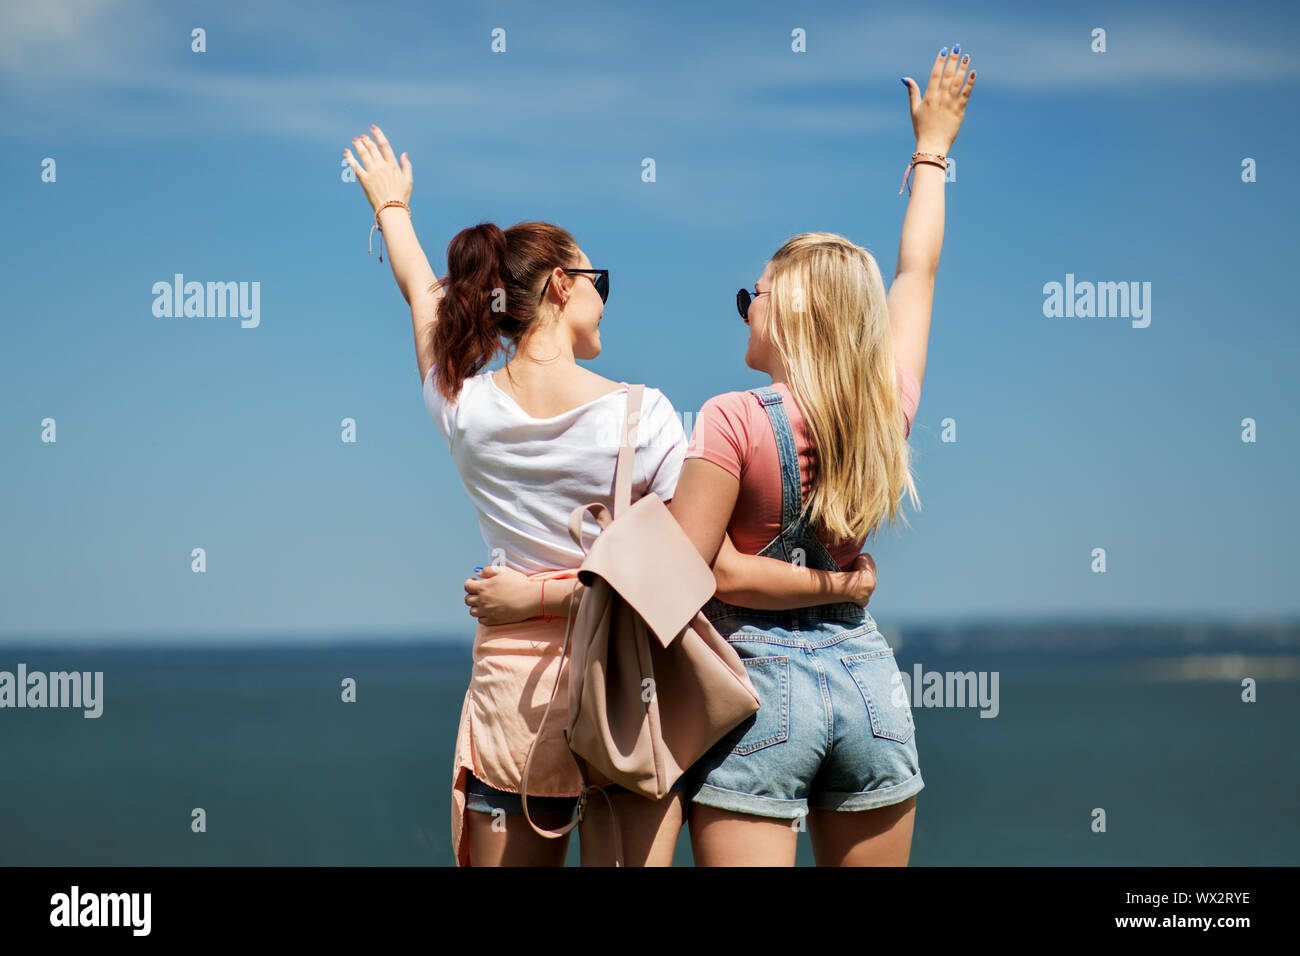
[{"x": 803, "y": 471}]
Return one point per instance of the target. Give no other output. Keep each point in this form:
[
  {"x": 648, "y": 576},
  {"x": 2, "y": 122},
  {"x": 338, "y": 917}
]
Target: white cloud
[
  {"x": 114, "y": 67},
  {"x": 64, "y": 41}
]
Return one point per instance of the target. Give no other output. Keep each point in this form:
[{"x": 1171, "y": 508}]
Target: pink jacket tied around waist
[{"x": 514, "y": 672}]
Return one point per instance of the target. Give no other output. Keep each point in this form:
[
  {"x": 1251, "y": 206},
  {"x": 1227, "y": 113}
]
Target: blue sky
[{"x": 1072, "y": 434}]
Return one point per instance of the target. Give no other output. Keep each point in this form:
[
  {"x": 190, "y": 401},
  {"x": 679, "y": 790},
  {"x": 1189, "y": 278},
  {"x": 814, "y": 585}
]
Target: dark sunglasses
[
  {"x": 601, "y": 282},
  {"x": 743, "y": 298}
]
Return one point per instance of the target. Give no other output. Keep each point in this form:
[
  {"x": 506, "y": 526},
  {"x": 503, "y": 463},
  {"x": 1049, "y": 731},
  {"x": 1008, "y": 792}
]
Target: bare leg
[
  {"x": 648, "y": 829},
  {"x": 725, "y": 838},
  {"x": 880, "y": 837},
  {"x": 518, "y": 844}
]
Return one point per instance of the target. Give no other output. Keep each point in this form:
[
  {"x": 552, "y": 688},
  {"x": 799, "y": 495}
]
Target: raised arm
[
  {"x": 936, "y": 118},
  {"x": 384, "y": 179}
]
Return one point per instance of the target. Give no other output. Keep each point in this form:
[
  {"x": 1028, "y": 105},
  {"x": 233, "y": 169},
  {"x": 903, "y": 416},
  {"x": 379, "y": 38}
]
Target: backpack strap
[
  {"x": 626, "y": 464},
  {"x": 587, "y": 785}
]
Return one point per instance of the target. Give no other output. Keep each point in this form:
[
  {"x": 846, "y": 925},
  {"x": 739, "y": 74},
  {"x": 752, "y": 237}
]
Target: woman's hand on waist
[
  {"x": 859, "y": 581},
  {"x": 501, "y": 595}
]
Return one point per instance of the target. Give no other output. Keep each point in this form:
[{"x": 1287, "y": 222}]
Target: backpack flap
[{"x": 648, "y": 560}]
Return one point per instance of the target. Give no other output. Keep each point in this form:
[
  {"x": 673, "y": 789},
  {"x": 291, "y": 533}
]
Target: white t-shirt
[{"x": 525, "y": 475}]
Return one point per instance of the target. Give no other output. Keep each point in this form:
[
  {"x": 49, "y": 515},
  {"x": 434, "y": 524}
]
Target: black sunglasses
[
  {"x": 743, "y": 298},
  {"x": 601, "y": 282}
]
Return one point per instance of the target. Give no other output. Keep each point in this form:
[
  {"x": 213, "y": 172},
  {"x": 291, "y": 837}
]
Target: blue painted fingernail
[
  {"x": 943, "y": 52},
  {"x": 902, "y": 80},
  {"x": 477, "y": 570},
  {"x": 956, "y": 49}
]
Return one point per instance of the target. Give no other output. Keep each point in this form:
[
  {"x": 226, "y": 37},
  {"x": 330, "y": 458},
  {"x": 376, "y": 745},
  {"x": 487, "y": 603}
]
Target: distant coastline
[{"x": 1126, "y": 636}]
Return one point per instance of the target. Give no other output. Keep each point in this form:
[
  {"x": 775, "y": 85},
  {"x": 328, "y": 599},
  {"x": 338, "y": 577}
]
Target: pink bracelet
[{"x": 934, "y": 159}]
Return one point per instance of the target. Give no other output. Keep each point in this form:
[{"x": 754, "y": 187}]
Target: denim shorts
[
  {"x": 485, "y": 799},
  {"x": 834, "y": 730}
]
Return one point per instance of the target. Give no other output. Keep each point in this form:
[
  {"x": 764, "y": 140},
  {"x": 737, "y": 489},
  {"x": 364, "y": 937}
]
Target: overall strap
[
  {"x": 788, "y": 451},
  {"x": 626, "y": 464}
]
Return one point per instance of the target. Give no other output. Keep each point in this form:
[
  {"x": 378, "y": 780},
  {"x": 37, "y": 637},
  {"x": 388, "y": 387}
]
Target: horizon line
[{"x": 385, "y": 636}]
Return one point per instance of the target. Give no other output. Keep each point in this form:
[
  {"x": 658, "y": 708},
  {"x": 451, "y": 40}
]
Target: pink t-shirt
[{"x": 733, "y": 432}]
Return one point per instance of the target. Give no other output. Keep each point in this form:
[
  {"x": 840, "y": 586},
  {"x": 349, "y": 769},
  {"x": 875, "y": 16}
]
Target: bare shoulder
[{"x": 595, "y": 385}]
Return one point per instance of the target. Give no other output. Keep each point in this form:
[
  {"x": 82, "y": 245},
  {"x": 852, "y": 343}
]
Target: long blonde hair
[{"x": 829, "y": 323}]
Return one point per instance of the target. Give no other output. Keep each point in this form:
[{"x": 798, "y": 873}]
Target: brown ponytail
[{"x": 488, "y": 268}]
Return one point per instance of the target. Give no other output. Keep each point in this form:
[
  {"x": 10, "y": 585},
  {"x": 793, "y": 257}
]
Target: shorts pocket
[
  {"x": 771, "y": 725},
  {"x": 876, "y": 674}
]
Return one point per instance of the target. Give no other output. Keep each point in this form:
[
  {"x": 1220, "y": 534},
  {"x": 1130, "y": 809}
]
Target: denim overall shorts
[{"x": 834, "y": 730}]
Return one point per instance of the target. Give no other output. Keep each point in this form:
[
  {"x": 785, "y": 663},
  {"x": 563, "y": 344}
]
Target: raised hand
[
  {"x": 380, "y": 174},
  {"x": 937, "y": 116}
]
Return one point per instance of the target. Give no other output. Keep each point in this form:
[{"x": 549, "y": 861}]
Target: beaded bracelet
[
  {"x": 391, "y": 202},
  {"x": 934, "y": 159}
]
